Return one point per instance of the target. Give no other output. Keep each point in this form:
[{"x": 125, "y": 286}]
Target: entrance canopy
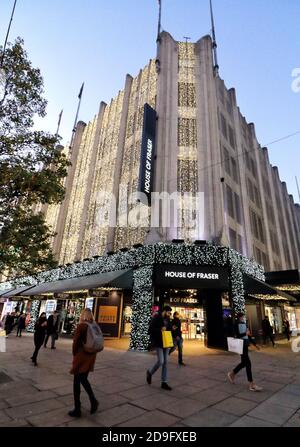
[
  {"x": 261, "y": 290},
  {"x": 17, "y": 291},
  {"x": 122, "y": 279},
  {"x": 285, "y": 280}
]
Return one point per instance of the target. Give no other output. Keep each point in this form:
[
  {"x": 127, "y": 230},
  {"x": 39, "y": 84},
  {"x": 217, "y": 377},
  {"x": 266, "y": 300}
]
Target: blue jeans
[
  {"x": 179, "y": 345},
  {"x": 162, "y": 359}
]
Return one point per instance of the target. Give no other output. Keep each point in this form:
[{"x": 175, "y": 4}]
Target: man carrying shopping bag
[{"x": 161, "y": 339}]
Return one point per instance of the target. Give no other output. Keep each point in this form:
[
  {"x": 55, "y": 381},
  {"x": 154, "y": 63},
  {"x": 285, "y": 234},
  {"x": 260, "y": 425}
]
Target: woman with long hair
[
  {"x": 83, "y": 363},
  {"x": 39, "y": 335}
]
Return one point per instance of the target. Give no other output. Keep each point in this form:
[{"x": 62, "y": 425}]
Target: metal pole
[
  {"x": 7, "y": 34},
  {"x": 58, "y": 124},
  {"x": 216, "y": 66},
  {"x": 159, "y": 20},
  {"x": 76, "y": 117}
]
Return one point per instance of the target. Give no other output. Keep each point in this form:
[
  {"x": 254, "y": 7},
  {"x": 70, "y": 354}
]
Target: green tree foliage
[{"x": 31, "y": 167}]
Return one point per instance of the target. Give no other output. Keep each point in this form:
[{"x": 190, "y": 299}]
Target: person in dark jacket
[
  {"x": 21, "y": 325},
  {"x": 52, "y": 329},
  {"x": 9, "y": 323},
  {"x": 286, "y": 328},
  {"x": 243, "y": 333},
  {"x": 160, "y": 322},
  {"x": 39, "y": 335},
  {"x": 177, "y": 337},
  {"x": 83, "y": 363},
  {"x": 267, "y": 330}
]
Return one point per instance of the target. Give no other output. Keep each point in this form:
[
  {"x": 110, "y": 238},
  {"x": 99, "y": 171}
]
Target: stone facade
[{"x": 203, "y": 144}]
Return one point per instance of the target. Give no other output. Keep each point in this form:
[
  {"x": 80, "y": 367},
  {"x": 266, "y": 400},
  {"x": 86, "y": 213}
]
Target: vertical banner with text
[{"x": 147, "y": 152}]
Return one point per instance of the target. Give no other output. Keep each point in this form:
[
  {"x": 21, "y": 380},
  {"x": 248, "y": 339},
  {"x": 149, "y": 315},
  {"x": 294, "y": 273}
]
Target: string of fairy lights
[{"x": 142, "y": 260}]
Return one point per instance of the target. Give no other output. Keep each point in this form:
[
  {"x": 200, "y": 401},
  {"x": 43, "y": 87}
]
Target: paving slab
[
  {"x": 154, "y": 418},
  {"x": 294, "y": 421},
  {"x": 23, "y": 399},
  {"x": 155, "y": 401},
  {"x": 247, "y": 421},
  {"x": 285, "y": 399},
  {"x": 270, "y": 412},
  {"x": 118, "y": 415},
  {"x": 210, "y": 396},
  {"x": 3, "y": 404},
  {"x": 50, "y": 418},
  {"x": 138, "y": 392},
  {"x": 183, "y": 407},
  {"x": 259, "y": 396},
  {"x": 209, "y": 418},
  {"x": 201, "y": 390},
  {"x": 24, "y": 411},
  {"x": 4, "y": 418},
  {"x": 236, "y": 406}
]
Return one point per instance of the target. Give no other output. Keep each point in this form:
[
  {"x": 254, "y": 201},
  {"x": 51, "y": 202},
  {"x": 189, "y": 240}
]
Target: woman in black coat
[
  {"x": 21, "y": 325},
  {"x": 39, "y": 335}
]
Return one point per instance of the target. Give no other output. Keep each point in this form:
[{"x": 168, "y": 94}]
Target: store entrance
[
  {"x": 205, "y": 314},
  {"x": 188, "y": 304}
]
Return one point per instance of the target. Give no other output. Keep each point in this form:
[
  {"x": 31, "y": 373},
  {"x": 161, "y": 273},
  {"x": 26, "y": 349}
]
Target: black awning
[
  {"x": 17, "y": 291},
  {"x": 283, "y": 277},
  {"x": 6, "y": 291},
  {"x": 255, "y": 287},
  {"x": 122, "y": 279}
]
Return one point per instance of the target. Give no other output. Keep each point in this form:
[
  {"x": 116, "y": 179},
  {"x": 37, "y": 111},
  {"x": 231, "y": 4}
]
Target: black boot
[
  {"x": 94, "y": 406},
  {"x": 76, "y": 413}
]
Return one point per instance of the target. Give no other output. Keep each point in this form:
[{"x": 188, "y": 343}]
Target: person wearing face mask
[
  {"x": 39, "y": 335},
  {"x": 243, "y": 333},
  {"x": 160, "y": 322}
]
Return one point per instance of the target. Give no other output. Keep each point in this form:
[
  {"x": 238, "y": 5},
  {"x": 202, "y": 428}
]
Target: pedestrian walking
[
  {"x": 9, "y": 323},
  {"x": 52, "y": 329},
  {"x": 21, "y": 325},
  {"x": 286, "y": 326},
  {"x": 243, "y": 333},
  {"x": 160, "y": 322},
  {"x": 86, "y": 344},
  {"x": 40, "y": 328},
  {"x": 177, "y": 337},
  {"x": 267, "y": 330}
]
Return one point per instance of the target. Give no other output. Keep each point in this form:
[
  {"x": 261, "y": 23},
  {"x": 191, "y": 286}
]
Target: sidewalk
[{"x": 201, "y": 396}]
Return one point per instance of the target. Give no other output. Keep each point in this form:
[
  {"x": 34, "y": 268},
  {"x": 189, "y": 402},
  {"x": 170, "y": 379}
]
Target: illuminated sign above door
[{"x": 191, "y": 277}]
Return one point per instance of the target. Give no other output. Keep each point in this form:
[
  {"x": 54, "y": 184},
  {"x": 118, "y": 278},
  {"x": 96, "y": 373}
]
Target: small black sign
[
  {"x": 147, "y": 152},
  {"x": 194, "y": 277}
]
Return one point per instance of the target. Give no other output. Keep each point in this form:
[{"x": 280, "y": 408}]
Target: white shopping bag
[
  {"x": 2, "y": 341},
  {"x": 235, "y": 345}
]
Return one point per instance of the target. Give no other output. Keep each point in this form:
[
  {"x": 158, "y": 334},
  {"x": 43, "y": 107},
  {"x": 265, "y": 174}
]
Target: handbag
[
  {"x": 235, "y": 345},
  {"x": 2, "y": 341},
  {"x": 167, "y": 339}
]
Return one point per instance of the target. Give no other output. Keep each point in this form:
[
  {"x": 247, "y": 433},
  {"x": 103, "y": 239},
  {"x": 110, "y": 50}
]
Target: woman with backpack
[{"x": 85, "y": 348}]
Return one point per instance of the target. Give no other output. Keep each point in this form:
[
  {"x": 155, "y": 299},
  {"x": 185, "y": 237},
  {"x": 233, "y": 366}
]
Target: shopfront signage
[
  {"x": 181, "y": 300},
  {"x": 50, "y": 306},
  {"x": 195, "y": 277},
  {"x": 147, "y": 152},
  {"x": 89, "y": 303},
  {"x": 108, "y": 312}
]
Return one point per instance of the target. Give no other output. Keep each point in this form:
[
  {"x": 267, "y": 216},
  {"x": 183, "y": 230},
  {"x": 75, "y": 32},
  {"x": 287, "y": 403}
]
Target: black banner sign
[
  {"x": 193, "y": 276},
  {"x": 147, "y": 152}
]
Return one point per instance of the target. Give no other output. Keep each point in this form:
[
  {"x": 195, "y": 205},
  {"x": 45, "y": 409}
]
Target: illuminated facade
[{"x": 203, "y": 144}]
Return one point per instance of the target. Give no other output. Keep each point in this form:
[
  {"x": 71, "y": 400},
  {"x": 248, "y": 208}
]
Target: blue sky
[{"x": 99, "y": 41}]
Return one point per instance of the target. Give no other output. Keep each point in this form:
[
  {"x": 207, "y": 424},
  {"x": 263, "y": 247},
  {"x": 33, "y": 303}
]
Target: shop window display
[{"x": 126, "y": 324}]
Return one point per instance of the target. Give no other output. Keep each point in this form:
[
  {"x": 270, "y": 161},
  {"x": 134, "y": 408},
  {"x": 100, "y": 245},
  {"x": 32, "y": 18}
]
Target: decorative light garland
[
  {"x": 34, "y": 314},
  {"x": 142, "y": 260}
]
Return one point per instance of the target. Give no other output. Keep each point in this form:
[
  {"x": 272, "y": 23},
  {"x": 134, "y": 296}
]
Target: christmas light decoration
[
  {"x": 141, "y": 308},
  {"x": 34, "y": 314},
  {"x": 142, "y": 260}
]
